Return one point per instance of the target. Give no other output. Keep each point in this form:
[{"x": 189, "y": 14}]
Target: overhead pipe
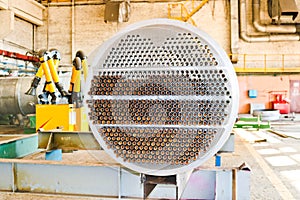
[
  {"x": 260, "y": 38},
  {"x": 72, "y": 29},
  {"x": 95, "y": 3},
  {"x": 18, "y": 56},
  {"x": 234, "y": 30},
  {"x": 270, "y": 28}
]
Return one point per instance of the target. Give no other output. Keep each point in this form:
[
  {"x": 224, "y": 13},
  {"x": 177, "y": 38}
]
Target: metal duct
[
  {"x": 288, "y": 7},
  {"x": 117, "y": 11},
  {"x": 269, "y": 28},
  {"x": 162, "y": 97},
  {"x": 111, "y": 12},
  {"x": 277, "y": 8},
  {"x": 260, "y": 38}
]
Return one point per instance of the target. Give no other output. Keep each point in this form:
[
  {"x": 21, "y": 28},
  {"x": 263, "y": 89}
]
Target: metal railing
[{"x": 267, "y": 63}]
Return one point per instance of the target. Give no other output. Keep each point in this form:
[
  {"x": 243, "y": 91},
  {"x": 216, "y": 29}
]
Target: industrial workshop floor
[{"x": 273, "y": 157}]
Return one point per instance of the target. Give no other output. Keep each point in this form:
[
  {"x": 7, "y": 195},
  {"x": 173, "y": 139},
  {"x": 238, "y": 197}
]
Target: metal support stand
[
  {"x": 179, "y": 180},
  {"x": 150, "y": 182}
]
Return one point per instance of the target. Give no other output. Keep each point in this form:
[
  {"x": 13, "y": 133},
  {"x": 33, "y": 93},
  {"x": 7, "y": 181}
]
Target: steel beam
[
  {"x": 67, "y": 141},
  {"x": 114, "y": 181},
  {"x": 16, "y": 146}
]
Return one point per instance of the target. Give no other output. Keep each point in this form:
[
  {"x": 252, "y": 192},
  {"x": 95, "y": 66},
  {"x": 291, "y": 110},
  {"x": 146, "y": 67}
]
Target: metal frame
[
  {"x": 179, "y": 181},
  {"x": 115, "y": 181}
]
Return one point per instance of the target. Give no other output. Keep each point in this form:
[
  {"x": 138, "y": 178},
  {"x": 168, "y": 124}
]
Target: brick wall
[{"x": 90, "y": 30}]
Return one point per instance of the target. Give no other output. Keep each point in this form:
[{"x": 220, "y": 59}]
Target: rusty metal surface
[
  {"x": 9, "y": 129},
  {"x": 5, "y": 138},
  {"x": 67, "y": 140}
]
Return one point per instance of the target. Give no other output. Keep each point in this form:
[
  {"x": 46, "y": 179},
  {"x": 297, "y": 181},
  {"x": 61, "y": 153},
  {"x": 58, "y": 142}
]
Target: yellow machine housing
[{"x": 61, "y": 116}]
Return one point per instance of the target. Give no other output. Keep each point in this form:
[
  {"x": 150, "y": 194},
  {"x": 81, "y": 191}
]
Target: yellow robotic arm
[
  {"x": 79, "y": 64},
  {"x": 76, "y": 70},
  {"x": 84, "y": 64},
  {"x": 38, "y": 76},
  {"x": 53, "y": 62},
  {"x": 49, "y": 62},
  {"x": 49, "y": 86}
]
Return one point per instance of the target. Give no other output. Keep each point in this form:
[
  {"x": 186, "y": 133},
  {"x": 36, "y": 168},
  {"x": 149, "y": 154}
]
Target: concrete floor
[
  {"x": 270, "y": 179},
  {"x": 275, "y": 163}
]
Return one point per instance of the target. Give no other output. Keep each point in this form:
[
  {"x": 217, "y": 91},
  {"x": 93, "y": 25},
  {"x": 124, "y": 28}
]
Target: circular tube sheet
[{"x": 161, "y": 97}]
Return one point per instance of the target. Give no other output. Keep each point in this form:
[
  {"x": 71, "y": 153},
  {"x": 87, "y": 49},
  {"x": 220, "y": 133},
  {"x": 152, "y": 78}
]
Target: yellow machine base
[{"x": 60, "y": 116}]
